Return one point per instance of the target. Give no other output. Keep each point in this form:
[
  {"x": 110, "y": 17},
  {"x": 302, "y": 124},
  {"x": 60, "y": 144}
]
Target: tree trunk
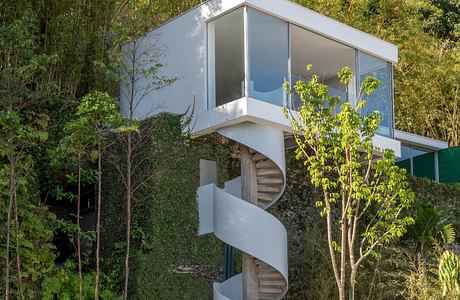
[
  {"x": 331, "y": 252},
  {"x": 249, "y": 193},
  {"x": 128, "y": 212},
  {"x": 351, "y": 292},
  {"x": 128, "y": 170},
  {"x": 98, "y": 221},
  {"x": 343, "y": 255},
  {"x": 80, "y": 276},
  {"x": 18, "y": 245},
  {"x": 8, "y": 229},
  {"x": 351, "y": 251}
]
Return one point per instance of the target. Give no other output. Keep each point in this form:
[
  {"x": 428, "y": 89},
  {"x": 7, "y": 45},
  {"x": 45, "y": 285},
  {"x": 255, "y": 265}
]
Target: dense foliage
[
  {"x": 170, "y": 260},
  {"x": 53, "y": 53},
  {"x": 400, "y": 272}
]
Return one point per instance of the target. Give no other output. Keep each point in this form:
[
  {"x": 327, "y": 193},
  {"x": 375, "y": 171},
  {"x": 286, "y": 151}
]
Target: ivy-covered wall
[{"x": 169, "y": 260}]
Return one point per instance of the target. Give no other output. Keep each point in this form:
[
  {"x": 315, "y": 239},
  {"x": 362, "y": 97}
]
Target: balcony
[{"x": 250, "y": 54}]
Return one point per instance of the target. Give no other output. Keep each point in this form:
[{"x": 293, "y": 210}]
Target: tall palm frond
[{"x": 432, "y": 226}]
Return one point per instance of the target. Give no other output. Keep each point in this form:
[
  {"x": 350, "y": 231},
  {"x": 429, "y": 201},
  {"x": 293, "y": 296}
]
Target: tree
[
  {"x": 364, "y": 196},
  {"x": 15, "y": 139},
  {"x": 79, "y": 143},
  {"x": 139, "y": 77},
  {"x": 100, "y": 111},
  {"x": 442, "y": 19},
  {"x": 142, "y": 66}
]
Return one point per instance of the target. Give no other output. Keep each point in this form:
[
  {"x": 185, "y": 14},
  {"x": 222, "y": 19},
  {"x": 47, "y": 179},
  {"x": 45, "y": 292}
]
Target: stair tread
[
  {"x": 269, "y": 276},
  {"x": 268, "y": 172},
  {"x": 266, "y": 297},
  {"x": 258, "y": 157},
  {"x": 264, "y": 197},
  {"x": 272, "y": 283},
  {"x": 268, "y": 189},
  {"x": 270, "y": 290},
  {"x": 268, "y": 271},
  {"x": 270, "y": 180},
  {"x": 265, "y": 164}
]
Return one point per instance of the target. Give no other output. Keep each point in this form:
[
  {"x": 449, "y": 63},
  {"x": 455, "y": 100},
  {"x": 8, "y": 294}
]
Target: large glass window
[
  {"x": 406, "y": 152},
  {"x": 419, "y": 151},
  {"x": 268, "y": 56},
  {"x": 382, "y": 98},
  {"x": 328, "y": 57},
  {"x": 226, "y": 58},
  {"x": 275, "y": 48}
]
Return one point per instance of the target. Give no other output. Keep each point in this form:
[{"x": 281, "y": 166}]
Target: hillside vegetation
[{"x": 59, "y": 153}]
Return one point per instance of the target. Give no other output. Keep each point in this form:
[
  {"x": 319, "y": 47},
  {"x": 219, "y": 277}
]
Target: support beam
[{"x": 249, "y": 193}]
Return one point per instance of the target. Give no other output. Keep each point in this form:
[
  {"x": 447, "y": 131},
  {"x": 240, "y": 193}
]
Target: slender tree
[
  {"x": 364, "y": 196},
  {"x": 15, "y": 139},
  {"x": 142, "y": 66},
  {"x": 79, "y": 143},
  {"x": 137, "y": 68},
  {"x": 100, "y": 110}
]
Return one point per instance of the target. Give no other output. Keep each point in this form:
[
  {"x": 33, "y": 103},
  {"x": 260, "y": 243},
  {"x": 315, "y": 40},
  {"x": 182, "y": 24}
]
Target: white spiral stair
[{"x": 246, "y": 226}]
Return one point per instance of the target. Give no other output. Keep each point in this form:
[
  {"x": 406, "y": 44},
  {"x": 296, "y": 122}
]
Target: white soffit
[{"x": 419, "y": 140}]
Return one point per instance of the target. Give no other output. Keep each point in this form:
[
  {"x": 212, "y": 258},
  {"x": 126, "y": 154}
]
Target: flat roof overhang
[
  {"x": 420, "y": 141},
  {"x": 307, "y": 19}
]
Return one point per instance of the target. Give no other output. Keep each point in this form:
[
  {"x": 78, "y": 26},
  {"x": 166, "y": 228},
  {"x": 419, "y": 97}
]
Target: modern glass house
[{"x": 231, "y": 58}]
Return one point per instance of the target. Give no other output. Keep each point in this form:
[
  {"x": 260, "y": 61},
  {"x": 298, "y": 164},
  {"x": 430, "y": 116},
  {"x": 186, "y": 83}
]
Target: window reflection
[
  {"x": 381, "y": 100},
  {"x": 276, "y": 48},
  {"x": 226, "y": 58},
  {"x": 268, "y": 57}
]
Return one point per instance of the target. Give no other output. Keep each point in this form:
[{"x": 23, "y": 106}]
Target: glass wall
[
  {"x": 268, "y": 57},
  {"x": 406, "y": 152},
  {"x": 417, "y": 161},
  {"x": 326, "y": 56},
  {"x": 382, "y": 98},
  {"x": 277, "y": 52},
  {"x": 226, "y": 58}
]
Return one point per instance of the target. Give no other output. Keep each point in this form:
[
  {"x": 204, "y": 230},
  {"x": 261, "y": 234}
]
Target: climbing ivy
[{"x": 168, "y": 259}]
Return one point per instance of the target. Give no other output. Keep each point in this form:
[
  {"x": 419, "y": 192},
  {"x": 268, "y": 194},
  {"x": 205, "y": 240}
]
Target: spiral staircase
[{"x": 247, "y": 226}]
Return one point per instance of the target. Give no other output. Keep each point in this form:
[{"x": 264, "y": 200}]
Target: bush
[{"x": 64, "y": 285}]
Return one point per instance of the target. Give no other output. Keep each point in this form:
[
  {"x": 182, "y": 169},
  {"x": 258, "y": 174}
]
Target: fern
[{"x": 447, "y": 232}]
